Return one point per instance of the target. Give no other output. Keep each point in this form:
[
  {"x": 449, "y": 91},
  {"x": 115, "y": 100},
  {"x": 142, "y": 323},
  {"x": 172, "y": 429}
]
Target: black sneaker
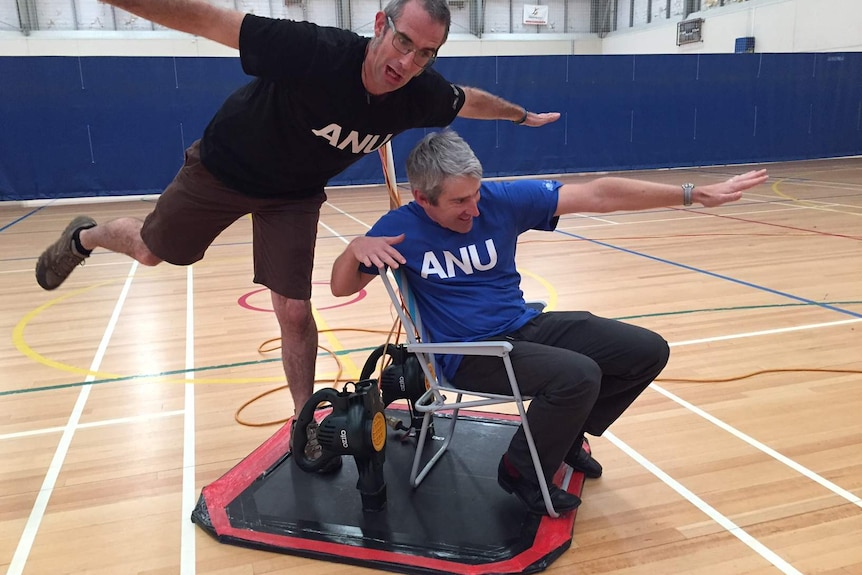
[
  {"x": 57, "y": 262},
  {"x": 530, "y": 494},
  {"x": 313, "y": 450},
  {"x": 583, "y": 461}
]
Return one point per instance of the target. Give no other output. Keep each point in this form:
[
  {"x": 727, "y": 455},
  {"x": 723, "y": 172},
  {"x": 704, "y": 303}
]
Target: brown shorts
[{"x": 196, "y": 207}]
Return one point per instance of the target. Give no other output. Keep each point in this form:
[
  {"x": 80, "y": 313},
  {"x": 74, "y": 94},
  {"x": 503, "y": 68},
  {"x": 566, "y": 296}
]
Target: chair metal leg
[
  {"x": 567, "y": 477},
  {"x": 416, "y": 476},
  {"x": 543, "y": 484},
  {"x": 534, "y": 455}
]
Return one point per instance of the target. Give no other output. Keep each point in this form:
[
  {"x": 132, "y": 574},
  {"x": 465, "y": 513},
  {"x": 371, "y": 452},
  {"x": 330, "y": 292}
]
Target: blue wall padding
[{"x": 72, "y": 127}]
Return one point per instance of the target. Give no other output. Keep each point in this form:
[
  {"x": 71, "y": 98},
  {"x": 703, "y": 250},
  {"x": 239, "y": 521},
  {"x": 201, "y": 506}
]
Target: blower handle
[
  {"x": 300, "y": 434},
  {"x": 371, "y": 363}
]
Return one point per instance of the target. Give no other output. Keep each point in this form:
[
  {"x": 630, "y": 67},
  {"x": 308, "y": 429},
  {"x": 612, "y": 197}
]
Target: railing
[{"x": 475, "y": 17}]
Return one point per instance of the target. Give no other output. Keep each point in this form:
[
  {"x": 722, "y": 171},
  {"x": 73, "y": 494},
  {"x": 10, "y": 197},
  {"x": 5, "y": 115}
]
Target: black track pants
[{"x": 582, "y": 372}]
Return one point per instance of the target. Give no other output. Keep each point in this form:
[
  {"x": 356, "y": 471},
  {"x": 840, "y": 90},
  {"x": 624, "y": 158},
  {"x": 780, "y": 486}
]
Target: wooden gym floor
[{"x": 119, "y": 391}]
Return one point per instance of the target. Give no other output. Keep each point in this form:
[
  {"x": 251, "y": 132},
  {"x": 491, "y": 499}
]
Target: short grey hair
[
  {"x": 437, "y": 9},
  {"x": 438, "y": 156}
]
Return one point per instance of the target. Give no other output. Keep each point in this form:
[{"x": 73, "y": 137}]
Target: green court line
[
  {"x": 368, "y": 349},
  {"x": 168, "y": 373},
  {"x": 737, "y": 308}
]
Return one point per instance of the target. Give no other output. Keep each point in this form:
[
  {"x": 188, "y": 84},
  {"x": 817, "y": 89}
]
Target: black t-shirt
[{"x": 307, "y": 116}]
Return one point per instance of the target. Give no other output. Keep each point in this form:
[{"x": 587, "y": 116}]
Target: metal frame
[{"x": 434, "y": 400}]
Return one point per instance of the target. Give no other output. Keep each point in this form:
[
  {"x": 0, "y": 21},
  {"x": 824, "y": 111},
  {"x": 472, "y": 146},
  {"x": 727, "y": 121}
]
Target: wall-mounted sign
[
  {"x": 536, "y": 15},
  {"x": 689, "y": 31}
]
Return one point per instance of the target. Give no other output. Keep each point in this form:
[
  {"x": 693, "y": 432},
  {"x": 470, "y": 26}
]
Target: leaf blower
[
  {"x": 356, "y": 426},
  {"x": 403, "y": 378}
]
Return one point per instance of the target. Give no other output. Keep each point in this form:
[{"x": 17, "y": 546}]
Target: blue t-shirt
[{"x": 466, "y": 286}]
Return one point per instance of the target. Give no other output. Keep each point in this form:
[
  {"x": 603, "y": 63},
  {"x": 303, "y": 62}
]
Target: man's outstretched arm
[
  {"x": 481, "y": 105},
  {"x": 193, "y": 16},
  {"x": 610, "y": 194}
]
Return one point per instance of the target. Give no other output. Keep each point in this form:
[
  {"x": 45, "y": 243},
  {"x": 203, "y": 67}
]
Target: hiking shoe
[
  {"x": 583, "y": 461},
  {"x": 313, "y": 449},
  {"x": 57, "y": 262}
]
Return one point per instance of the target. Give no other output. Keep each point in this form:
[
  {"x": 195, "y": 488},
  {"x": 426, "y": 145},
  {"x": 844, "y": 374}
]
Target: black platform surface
[{"x": 457, "y": 521}]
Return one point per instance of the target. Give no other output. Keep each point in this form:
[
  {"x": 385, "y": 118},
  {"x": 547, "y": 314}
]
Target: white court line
[
  {"x": 103, "y": 423},
  {"x": 691, "y": 215},
  {"x": 187, "y": 533},
  {"x": 575, "y": 216},
  {"x": 338, "y": 235},
  {"x": 25, "y": 543},
  {"x": 713, "y": 514},
  {"x": 580, "y": 216},
  {"x": 843, "y": 493},
  {"x": 765, "y": 332},
  {"x": 343, "y": 213}
]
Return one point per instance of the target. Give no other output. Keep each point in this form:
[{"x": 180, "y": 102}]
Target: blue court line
[
  {"x": 714, "y": 275},
  {"x": 24, "y": 217}
]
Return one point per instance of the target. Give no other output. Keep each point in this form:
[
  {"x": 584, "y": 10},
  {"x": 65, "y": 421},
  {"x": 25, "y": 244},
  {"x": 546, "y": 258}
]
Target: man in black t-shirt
[{"x": 321, "y": 99}]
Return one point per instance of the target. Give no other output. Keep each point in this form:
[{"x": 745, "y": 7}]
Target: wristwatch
[{"x": 687, "y": 189}]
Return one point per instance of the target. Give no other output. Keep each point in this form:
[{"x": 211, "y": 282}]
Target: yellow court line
[
  {"x": 350, "y": 368},
  {"x": 21, "y": 345},
  {"x": 552, "y": 293},
  {"x": 809, "y": 203},
  {"x": 219, "y": 381}
]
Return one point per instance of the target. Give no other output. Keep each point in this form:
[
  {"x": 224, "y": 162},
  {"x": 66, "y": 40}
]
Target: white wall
[{"x": 777, "y": 26}]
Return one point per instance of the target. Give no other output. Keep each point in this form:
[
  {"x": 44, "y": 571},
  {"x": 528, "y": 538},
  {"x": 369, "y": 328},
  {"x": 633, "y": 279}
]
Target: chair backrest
[
  {"x": 425, "y": 350},
  {"x": 405, "y": 304},
  {"x": 411, "y": 321}
]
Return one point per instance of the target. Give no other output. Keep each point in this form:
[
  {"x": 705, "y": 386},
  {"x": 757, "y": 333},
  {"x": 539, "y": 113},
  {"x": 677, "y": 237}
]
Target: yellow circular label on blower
[{"x": 378, "y": 432}]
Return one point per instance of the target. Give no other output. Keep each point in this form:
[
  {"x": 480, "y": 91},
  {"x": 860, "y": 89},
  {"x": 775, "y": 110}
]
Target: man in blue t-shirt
[
  {"x": 321, "y": 99},
  {"x": 456, "y": 244}
]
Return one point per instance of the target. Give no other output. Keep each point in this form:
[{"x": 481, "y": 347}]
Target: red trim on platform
[{"x": 550, "y": 536}]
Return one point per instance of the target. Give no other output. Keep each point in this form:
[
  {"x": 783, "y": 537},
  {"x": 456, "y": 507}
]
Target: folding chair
[{"x": 434, "y": 400}]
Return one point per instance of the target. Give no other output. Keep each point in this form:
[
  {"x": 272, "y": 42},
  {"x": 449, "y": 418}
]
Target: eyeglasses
[{"x": 422, "y": 58}]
